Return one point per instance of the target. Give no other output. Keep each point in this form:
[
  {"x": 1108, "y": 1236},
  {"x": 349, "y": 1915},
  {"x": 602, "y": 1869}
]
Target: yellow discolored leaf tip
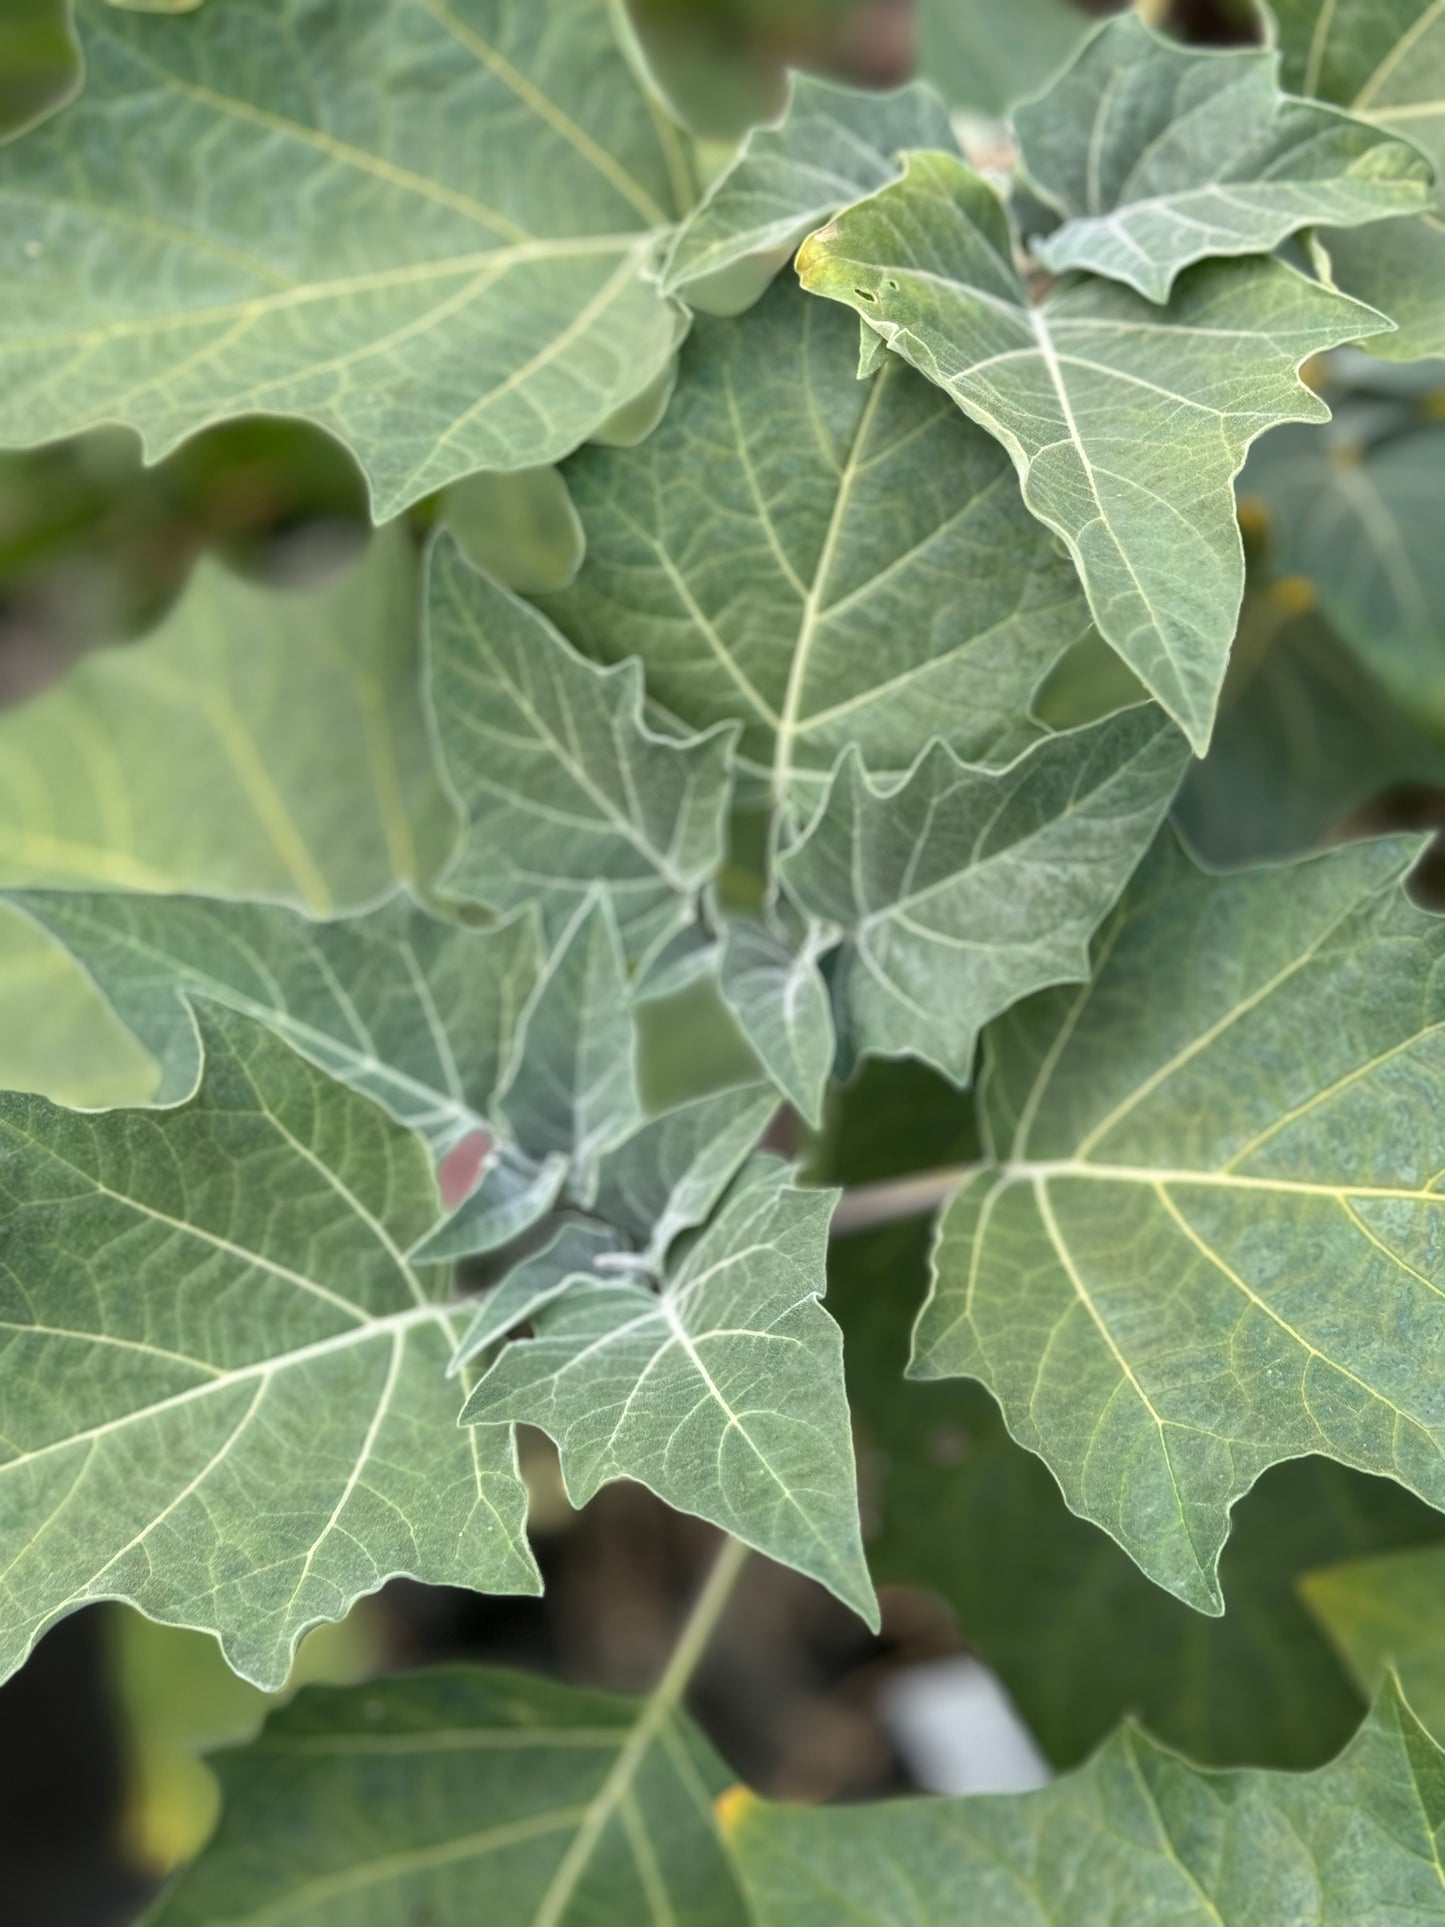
[
  {"x": 1294, "y": 595},
  {"x": 731, "y": 1807},
  {"x": 813, "y": 256}
]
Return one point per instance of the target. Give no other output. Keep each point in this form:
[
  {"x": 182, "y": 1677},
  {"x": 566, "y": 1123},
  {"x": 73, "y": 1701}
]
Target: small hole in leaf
[
  {"x": 892, "y": 286},
  {"x": 865, "y": 294}
]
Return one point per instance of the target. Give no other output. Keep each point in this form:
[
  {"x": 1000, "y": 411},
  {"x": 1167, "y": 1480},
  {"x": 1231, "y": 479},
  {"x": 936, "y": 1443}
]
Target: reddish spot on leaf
[{"x": 459, "y": 1170}]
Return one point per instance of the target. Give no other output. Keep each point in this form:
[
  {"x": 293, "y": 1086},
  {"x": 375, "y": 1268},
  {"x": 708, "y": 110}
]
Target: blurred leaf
[
  {"x": 987, "y": 55},
  {"x": 778, "y": 994},
  {"x": 468, "y": 289},
  {"x": 419, "y": 1798},
  {"x": 1304, "y": 739},
  {"x": 177, "y": 1697},
  {"x": 1156, "y": 155},
  {"x": 1353, "y": 509},
  {"x": 517, "y": 526},
  {"x": 1388, "y": 1614}
]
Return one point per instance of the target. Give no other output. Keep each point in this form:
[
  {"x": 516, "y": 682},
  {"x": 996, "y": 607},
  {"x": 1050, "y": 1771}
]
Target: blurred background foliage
[{"x": 133, "y": 620}]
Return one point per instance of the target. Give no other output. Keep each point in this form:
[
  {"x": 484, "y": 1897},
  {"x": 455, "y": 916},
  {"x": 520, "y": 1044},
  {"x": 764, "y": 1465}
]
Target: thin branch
[{"x": 867, "y": 1205}]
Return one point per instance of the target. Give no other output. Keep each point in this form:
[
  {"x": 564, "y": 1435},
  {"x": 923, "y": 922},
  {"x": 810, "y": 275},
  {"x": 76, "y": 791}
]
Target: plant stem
[
  {"x": 866, "y": 1205},
  {"x": 697, "y": 1632}
]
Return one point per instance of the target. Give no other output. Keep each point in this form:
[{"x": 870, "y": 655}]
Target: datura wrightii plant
[{"x": 764, "y": 706}]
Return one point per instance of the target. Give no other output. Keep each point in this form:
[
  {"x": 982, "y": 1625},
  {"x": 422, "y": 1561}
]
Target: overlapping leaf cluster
[{"x": 765, "y": 691}]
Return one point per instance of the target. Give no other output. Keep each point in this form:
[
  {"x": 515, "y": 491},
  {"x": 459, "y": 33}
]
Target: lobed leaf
[
  {"x": 563, "y": 785},
  {"x": 1127, "y": 422},
  {"x": 420, "y": 1014},
  {"x": 777, "y": 992},
  {"x": 1203, "y": 1240},
  {"x": 831, "y": 145},
  {"x": 960, "y": 890},
  {"x": 1137, "y": 1834},
  {"x": 832, "y": 562},
  {"x": 1156, "y": 156},
  {"x": 1384, "y": 60},
  {"x": 1385, "y": 1616},
  {"x": 224, "y": 1396},
  {"x": 722, "y": 1393},
  {"x": 987, "y": 59},
  {"x": 448, "y": 273},
  {"x": 409, "y": 1798}
]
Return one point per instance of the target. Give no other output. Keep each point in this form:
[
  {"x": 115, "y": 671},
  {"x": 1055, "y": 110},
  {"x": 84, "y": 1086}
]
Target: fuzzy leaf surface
[
  {"x": 224, "y": 1393},
  {"x": 447, "y": 272},
  {"x": 1127, "y": 422},
  {"x": 962, "y": 889},
  {"x": 568, "y": 1091},
  {"x": 1138, "y": 1834},
  {"x": 562, "y": 783},
  {"x": 1384, "y": 60},
  {"x": 1205, "y": 1238},
  {"x": 1157, "y": 155},
  {"x": 776, "y": 991},
  {"x": 722, "y": 1393},
  {"x": 419, "y": 1013},
  {"x": 834, "y": 562},
  {"x": 832, "y": 145},
  {"x": 1258, "y": 1686},
  {"x": 406, "y": 1799}
]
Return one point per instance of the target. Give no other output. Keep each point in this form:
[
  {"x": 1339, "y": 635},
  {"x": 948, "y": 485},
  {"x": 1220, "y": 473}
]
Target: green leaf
[
  {"x": 1354, "y": 510},
  {"x": 1385, "y": 61},
  {"x": 223, "y": 1395},
  {"x": 562, "y": 783},
  {"x": 1387, "y": 1614},
  {"x": 568, "y": 1091},
  {"x": 962, "y": 890},
  {"x": 669, "y": 1173},
  {"x": 420, "y": 1014},
  {"x": 1257, "y": 1686},
  {"x": 1157, "y": 155},
  {"x": 988, "y": 57},
  {"x": 447, "y": 271},
  {"x": 422, "y": 1797},
  {"x": 56, "y": 1035},
  {"x": 1127, "y": 422},
  {"x": 832, "y": 145},
  {"x": 833, "y": 562},
  {"x": 722, "y": 1393},
  {"x": 777, "y": 993},
  {"x": 568, "y": 1258},
  {"x": 244, "y": 800},
  {"x": 516, "y": 525},
  {"x": 1204, "y": 1238},
  {"x": 1305, "y": 739},
  {"x": 1138, "y": 1834}
]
